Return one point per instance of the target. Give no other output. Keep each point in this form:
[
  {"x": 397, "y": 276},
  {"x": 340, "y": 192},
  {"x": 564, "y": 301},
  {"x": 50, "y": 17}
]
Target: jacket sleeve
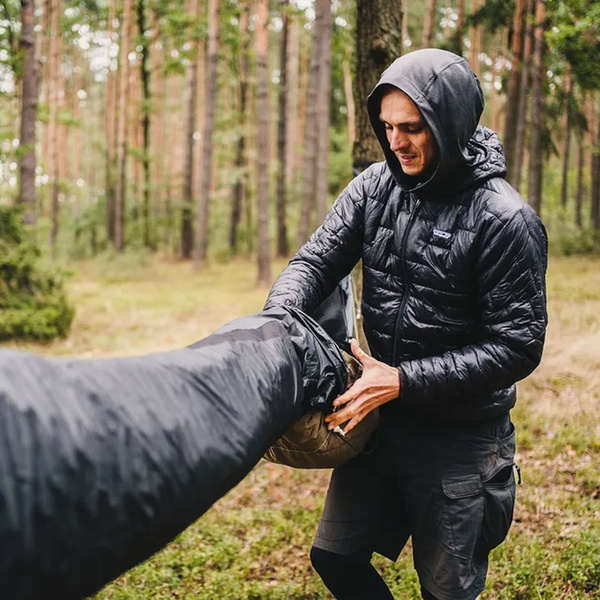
[
  {"x": 329, "y": 255},
  {"x": 510, "y": 269}
]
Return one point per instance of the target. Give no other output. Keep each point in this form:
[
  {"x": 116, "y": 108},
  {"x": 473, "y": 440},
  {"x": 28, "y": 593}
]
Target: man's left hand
[{"x": 379, "y": 384}]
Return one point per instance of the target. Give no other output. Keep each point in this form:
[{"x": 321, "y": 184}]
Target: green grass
[{"x": 253, "y": 544}]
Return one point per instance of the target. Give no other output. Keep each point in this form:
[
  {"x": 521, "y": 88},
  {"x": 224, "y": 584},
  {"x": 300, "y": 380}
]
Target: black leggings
[{"x": 352, "y": 576}]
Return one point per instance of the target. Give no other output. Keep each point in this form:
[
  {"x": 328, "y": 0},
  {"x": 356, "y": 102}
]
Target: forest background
[
  {"x": 207, "y": 129},
  {"x": 161, "y": 159}
]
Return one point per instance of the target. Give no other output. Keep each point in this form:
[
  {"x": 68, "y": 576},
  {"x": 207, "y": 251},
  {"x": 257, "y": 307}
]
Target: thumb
[{"x": 358, "y": 352}]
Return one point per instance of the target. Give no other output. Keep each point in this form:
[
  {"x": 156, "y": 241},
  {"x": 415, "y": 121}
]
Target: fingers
[
  {"x": 346, "y": 416},
  {"x": 346, "y": 397},
  {"x": 352, "y": 408},
  {"x": 354, "y": 421}
]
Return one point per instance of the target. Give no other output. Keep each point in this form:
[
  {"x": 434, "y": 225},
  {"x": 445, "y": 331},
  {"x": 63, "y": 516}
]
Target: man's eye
[
  {"x": 388, "y": 127},
  {"x": 414, "y": 128}
]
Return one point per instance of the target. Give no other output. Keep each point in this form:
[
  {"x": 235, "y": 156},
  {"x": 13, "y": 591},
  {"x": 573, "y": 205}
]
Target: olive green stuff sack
[{"x": 308, "y": 444}]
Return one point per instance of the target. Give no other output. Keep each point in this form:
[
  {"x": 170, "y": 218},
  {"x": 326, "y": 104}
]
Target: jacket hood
[{"x": 449, "y": 96}]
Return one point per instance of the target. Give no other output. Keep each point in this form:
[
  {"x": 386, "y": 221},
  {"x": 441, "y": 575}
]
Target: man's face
[{"x": 409, "y": 136}]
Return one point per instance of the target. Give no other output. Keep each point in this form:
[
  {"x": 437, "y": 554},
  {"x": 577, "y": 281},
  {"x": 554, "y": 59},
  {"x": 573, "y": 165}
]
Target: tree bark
[
  {"x": 460, "y": 28},
  {"x": 53, "y": 99},
  {"x": 580, "y": 191},
  {"x": 595, "y": 174},
  {"x": 44, "y": 80},
  {"x": 309, "y": 172},
  {"x": 378, "y": 43},
  {"x": 201, "y": 245},
  {"x": 323, "y": 104},
  {"x": 350, "y": 107},
  {"x": 519, "y": 155},
  {"x": 111, "y": 104},
  {"x": 303, "y": 78},
  {"x": 429, "y": 23},
  {"x": 512, "y": 103},
  {"x": 292, "y": 108},
  {"x": 122, "y": 124},
  {"x": 27, "y": 163},
  {"x": 187, "y": 227},
  {"x": 240, "y": 187},
  {"x": 475, "y": 39},
  {"x": 538, "y": 109},
  {"x": 447, "y": 27},
  {"x": 566, "y": 158},
  {"x": 145, "y": 74},
  {"x": 282, "y": 244},
  {"x": 262, "y": 181}
]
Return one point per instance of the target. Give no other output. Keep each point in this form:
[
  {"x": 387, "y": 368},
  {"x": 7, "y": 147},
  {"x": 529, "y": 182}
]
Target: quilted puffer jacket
[{"x": 454, "y": 266}]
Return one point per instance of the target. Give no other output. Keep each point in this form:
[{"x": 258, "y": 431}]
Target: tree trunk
[
  {"x": 564, "y": 192},
  {"x": 303, "y": 77},
  {"x": 292, "y": 108},
  {"x": 323, "y": 104},
  {"x": 595, "y": 171},
  {"x": 591, "y": 126},
  {"x": 44, "y": 81},
  {"x": 447, "y": 26},
  {"x": 53, "y": 99},
  {"x": 187, "y": 227},
  {"x": 512, "y": 102},
  {"x": 145, "y": 73},
  {"x": 201, "y": 246},
  {"x": 475, "y": 38},
  {"x": 519, "y": 155},
  {"x": 79, "y": 152},
  {"x": 309, "y": 172},
  {"x": 122, "y": 124},
  {"x": 459, "y": 32},
  {"x": 429, "y": 23},
  {"x": 262, "y": 181},
  {"x": 580, "y": 191},
  {"x": 537, "y": 122},
  {"x": 282, "y": 244},
  {"x": 350, "y": 107},
  {"x": 111, "y": 106},
  {"x": 240, "y": 187},
  {"x": 27, "y": 162},
  {"x": 378, "y": 43}
]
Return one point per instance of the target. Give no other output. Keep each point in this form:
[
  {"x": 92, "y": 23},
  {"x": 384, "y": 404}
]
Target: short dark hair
[{"x": 386, "y": 88}]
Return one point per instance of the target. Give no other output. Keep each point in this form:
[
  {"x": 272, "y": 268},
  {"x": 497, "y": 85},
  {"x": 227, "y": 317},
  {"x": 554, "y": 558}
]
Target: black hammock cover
[{"x": 103, "y": 462}]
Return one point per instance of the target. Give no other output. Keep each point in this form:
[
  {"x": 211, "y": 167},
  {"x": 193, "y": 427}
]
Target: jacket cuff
[{"x": 400, "y": 382}]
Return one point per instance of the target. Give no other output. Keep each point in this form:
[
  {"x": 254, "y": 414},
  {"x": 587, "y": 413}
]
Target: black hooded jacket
[{"x": 454, "y": 266}]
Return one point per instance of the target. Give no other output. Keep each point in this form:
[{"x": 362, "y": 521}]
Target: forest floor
[{"x": 253, "y": 544}]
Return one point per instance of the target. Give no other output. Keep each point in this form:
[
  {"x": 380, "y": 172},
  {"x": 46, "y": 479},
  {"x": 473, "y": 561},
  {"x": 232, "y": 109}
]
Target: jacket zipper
[{"x": 411, "y": 221}]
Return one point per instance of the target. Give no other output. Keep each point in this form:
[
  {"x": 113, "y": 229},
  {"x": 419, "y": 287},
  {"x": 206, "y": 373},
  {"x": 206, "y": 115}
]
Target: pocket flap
[{"x": 462, "y": 487}]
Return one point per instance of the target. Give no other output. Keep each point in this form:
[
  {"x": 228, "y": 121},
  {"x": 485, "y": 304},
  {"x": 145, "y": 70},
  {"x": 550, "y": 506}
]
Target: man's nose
[{"x": 399, "y": 141}]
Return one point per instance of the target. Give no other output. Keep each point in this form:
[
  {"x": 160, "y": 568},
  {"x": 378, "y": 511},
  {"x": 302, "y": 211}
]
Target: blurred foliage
[{"x": 33, "y": 302}]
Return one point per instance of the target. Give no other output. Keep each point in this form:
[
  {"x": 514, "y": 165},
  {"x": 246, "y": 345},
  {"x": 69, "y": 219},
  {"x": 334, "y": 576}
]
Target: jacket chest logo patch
[{"x": 441, "y": 235}]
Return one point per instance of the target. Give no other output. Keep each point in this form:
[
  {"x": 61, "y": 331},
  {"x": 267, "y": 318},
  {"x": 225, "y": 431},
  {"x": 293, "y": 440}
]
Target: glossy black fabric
[
  {"x": 454, "y": 266},
  {"x": 102, "y": 462}
]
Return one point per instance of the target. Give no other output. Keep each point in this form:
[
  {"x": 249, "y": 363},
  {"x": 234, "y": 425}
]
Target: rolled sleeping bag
[{"x": 103, "y": 462}]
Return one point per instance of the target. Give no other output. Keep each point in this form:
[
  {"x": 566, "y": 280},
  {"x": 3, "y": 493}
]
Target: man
[{"x": 454, "y": 312}]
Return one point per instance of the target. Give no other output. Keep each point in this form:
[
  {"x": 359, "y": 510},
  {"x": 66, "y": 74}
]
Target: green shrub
[{"x": 33, "y": 302}]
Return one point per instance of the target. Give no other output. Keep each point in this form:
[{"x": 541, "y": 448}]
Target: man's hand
[{"x": 379, "y": 384}]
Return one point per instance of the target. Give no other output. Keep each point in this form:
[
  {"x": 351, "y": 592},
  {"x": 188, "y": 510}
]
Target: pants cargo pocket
[
  {"x": 464, "y": 512},
  {"x": 499, "y": 503}
]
